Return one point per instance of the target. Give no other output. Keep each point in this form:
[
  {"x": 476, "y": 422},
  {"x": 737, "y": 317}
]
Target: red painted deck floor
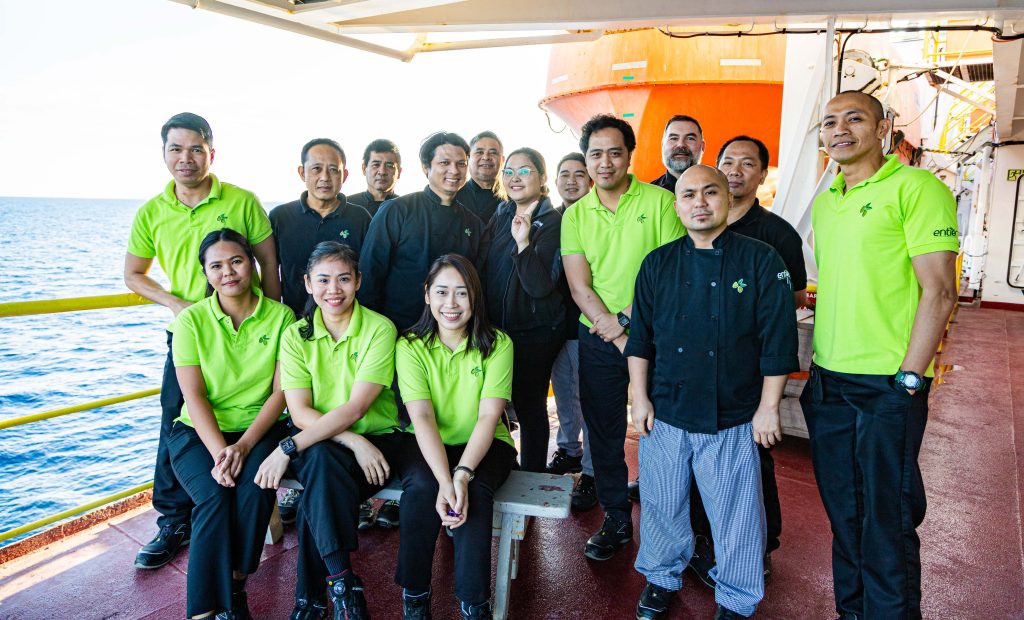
[{"x": 973, "y": 459}]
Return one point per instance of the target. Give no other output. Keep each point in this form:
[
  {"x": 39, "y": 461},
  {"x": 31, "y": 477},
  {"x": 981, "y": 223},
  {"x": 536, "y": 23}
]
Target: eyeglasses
[{"x": 519, "y": 172}]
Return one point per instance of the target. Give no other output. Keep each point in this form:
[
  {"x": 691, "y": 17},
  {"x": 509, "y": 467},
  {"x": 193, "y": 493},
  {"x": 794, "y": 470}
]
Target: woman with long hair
[
  {"x": 455, "y": 375},
  {"x": 225, "y": 356}
]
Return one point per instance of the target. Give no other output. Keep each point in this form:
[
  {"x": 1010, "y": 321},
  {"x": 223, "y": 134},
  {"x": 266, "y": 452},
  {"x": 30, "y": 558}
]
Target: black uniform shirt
[
  {"x": 297, "y": 230},
  {"x": 405, "y": 237},
  {"x": 366, "y": 201},
  {"x": 666, "y": 181},
  {"x": 761, "y": 224},
  {"x": 714, "y": 322},
  {"x": 480, "y": 202}
]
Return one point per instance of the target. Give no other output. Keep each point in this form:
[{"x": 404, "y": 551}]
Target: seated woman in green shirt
[
  {"x": 455, "y": 377},
  {"x": 337, "y": 366},
  {"x": 225, "y": 356}
]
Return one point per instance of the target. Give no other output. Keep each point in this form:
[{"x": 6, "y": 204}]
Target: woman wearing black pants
[{"x": 521, "y": 275}]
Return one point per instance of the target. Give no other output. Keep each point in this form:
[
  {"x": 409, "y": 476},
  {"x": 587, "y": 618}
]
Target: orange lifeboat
[{"x": 732, "y": 85}]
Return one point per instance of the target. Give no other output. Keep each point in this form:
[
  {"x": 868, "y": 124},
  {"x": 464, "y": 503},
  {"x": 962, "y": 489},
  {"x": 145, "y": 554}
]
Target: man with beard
[
  {"x": 382, "y": 166},
  {"x": 681, "y": 147}
]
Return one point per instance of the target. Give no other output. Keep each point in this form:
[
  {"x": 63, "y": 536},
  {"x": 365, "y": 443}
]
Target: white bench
[{"x": 523, "y": 495}]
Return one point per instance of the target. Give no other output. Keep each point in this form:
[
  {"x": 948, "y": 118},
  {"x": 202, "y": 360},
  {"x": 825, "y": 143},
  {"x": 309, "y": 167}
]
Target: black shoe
[
  {"x": 633, "y": 490},
  {"x": 366, "y": 515},
  {"x": 562, "y": 463},
  {"x": 347, "y": 596},
  {"x": 481, "y": 611},
  {"x": 309, "y": 610},
  {"x": 653, "y": 603},
  {"x": 584, "y": 496},
  {"x": 612, "y": 535},
  {"x": 724, "y": 613},
  {"x": 702, "y": 561},
  {"x": 387, "y": 516},
  {"x": 288, "y": 506},
  {"x": 162, "y": 549},
  {"x": 239, "y": 608},
  {"x": 767, "y": 567},
  {"x": 416, "y": 607}
]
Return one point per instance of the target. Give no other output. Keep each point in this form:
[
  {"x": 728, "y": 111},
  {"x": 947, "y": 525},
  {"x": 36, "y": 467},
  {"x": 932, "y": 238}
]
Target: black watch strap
[
  {"x": 623, "y": 320},
  {"x": 287, "y": 446},
  {"x": 470, "y": 472}
]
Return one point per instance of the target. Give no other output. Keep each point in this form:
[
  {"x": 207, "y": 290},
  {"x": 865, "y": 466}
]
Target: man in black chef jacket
[{"x": 712, "y": 339}]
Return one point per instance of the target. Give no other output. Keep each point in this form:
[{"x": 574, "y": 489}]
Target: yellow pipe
[
  {"x": 35, "y": 417},
  {"x": 71, "y": 304},
  {"x": 28, "y": 527}
]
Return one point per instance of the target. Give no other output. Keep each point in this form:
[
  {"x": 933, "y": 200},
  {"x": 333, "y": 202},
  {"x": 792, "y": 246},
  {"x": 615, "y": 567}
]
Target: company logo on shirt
[
  {"x": 864, "y": 210},
  {"x": 223, "y": 218},
  {"x": 784, "y": 275},
  {"x": 739, "y": 285},
  {"x": 469, "y": 233},
  {"x": 264, "y": 339},
  {"x": 949, "y": 231},
  {"x": 354, "y": 357},
  {"x": 641, "y": 218},
  {"x": 476, "y": 371},
  {"x": 344, "y": 234}
]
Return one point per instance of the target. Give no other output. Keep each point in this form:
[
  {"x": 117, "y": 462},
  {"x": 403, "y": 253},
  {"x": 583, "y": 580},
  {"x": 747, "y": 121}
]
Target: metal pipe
[
  {"x": 95, "y": 404},
  {"x": 71, "y": 304},
  {"x": 830, "y": 41},
  {"x": 976, "y": 244},
  {"x": 447, "y": 46},
  {"x": 28, "y": 527}
]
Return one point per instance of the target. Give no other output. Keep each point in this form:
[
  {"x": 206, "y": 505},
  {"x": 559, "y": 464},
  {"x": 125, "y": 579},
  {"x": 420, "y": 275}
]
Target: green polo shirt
[
  {"x": 171, "y": 232},
  {"x": 616, "y": 243},
  {"x": 455, "y": 382},
  {"x": 238, "y": 366},
  {"x": 863, "y": 242},
  {"x": 329, "y": 368}
]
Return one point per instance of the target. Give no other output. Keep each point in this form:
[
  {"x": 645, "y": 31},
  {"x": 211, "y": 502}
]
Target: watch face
[{"x": 910, "y": 381}]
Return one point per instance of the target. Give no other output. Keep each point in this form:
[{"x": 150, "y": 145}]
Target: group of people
[{"x": 430, "y": 325}]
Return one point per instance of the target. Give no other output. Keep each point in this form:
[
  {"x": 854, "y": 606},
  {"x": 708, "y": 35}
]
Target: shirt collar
[
  {"x": 754, "y": 213},
  {"x": 171, "y": 198},
  {"x": 891, "y": 165},
  {"x": 342, "y": 204},
  {"x": 435, "y": 343},
  {"x": 719, "y": 243},
  {"x": 595, "y": 203},
  {"x": 220, "y": 315},
  {"x": 543, "y": 207},
  {"x": 354, "y": 324}
]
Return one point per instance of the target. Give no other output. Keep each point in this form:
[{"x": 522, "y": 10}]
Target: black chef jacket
[
  {"x": 666, "y": 181},
  {"x": 297, "y": 230},
  {"x": 366, "y": 201},
  {"x": 404, "y": 238},
  {"x": 714, "y": 322},
  {"x": 480, "y": 202},
  {"x": 761, "y": 224}
]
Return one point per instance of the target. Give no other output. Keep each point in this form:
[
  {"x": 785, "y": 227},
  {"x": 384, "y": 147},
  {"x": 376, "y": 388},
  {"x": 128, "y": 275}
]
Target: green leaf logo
[
  {"x": 739, "y": 285},
  {"x": 222, "y": 218},
  {"x": 476, "y": 371},
  {"x": 469, "y": 233},
  {"x": 864, "y": 210},
  {"x": 642, "y": 218},
  {"x": 354, "y": 357},
  {"x": 264, "y": 339},
  {"x": 344, "y": 234}
]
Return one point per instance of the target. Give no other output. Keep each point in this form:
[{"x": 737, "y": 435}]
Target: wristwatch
[
  {"x": 469, "y": 472},
  {"x": 287, "y": 446},
  {"x": 909, "y": 380},
  {"x": 623, "y": 320}
]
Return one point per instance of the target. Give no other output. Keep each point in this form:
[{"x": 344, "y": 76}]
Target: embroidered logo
[
  {"x": 476, "y": 371},
  {"x": 864, "y": 210},
  {"x": 354, "y": 357},
  {"x": 344, "y": 234},
  {"x": 739, "y": 285},
  {"x": 264, "y": 339},
  {"x": 222, "y": 218},
  {"x": 641, "y": 218},
  {"x": 784, "y": 275},
  {"x": 469, "y": 233}
]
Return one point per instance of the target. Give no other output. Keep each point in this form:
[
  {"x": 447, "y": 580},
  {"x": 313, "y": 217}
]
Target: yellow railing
[{"x": 75, "y": 304}]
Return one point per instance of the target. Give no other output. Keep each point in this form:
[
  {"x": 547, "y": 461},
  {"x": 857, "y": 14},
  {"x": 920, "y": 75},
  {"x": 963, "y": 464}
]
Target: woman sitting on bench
[
  {"x": 455, "y": 376},
  {"x": 225, "y": 356},
  {"x": 337, "y": 364}
]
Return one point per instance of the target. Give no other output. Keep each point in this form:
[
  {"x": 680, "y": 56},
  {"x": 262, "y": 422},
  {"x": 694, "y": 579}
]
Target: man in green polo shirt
[
  {"x": 170, "y": 227},
  {"x": 605, "y": 237},
  {"x": 885, "y": 243}
]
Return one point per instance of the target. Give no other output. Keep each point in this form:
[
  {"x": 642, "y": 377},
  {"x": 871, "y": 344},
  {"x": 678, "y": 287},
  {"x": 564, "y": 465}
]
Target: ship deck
[{"x": 972, "y": 557}]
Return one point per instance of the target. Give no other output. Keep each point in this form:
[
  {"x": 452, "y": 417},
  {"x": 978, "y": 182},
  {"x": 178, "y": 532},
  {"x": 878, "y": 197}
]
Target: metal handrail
[
  {"x": 95, "y": 404},
  {"x": 71, "y": 304},
  {"x": 28, "y": 527}
]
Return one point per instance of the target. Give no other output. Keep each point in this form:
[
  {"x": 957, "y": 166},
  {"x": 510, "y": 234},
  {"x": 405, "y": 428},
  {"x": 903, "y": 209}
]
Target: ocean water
[{"x": 53, "y": 248}]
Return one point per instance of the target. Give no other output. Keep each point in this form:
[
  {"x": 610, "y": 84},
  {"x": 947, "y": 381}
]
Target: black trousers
[
  {"x": 772, "y": 507},
  {"x": 865, "y": 436},
  {"x": 419, "y": 522},
  {"x": 169, "y": 498},
  {"x": 604, "y": 380},
  {"x": 228, "y": 524},
  {"x": 534, "y": 356},
  {"x": 328, "y": 516}
]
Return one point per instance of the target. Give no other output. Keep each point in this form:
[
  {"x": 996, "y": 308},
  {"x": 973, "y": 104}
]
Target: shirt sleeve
[
  {"x": 498, "y": 370},
  {"x": 295, "y": 373},
  {"x": 375, "y": 258},
  {"x": 257, "y": 223},
  {"x": 776, "y": 317},
  {"x": 140, "y": 239},
  {"x": 929, "y": 218},
  {"x": 378, "y": 363},
  {"x": 413, "y": 382},
  {"x": 185, "y": 344},
  {"x": 570, "y": 233},
  {"x": 791, "y": 249},
  {"x": 641, "y": 334}
]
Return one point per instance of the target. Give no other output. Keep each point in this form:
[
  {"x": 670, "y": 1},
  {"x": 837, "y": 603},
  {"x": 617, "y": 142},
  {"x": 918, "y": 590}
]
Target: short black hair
[
  {"x": 762, "y": 150},
  {"x": 381, "y": 145},
  {"x": 317, "y": 142},
  {"x": 607, "y": 121},
  {"x": 874, "y": 103},
  {"x": 571, "y": 157},
  {"x": 190, "y": 121},
  {"x": 486, "y": 134},
  {"x": 440, "y": 138},
  {"x": 682, "y": 118}
]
